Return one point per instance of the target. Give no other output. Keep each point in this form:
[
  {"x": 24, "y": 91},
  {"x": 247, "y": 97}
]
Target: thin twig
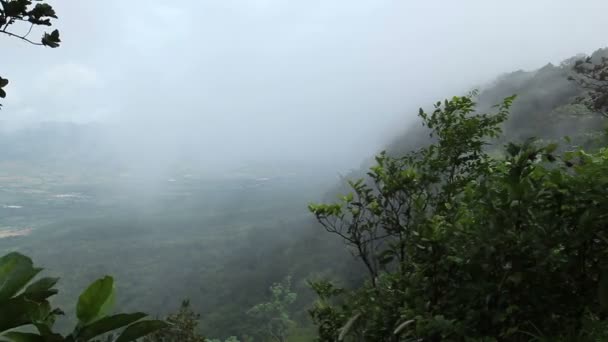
[{"x": 29, "y": 31}]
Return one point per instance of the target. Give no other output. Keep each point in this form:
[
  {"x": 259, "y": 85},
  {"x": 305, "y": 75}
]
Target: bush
[{"x": 464, "y": 247}]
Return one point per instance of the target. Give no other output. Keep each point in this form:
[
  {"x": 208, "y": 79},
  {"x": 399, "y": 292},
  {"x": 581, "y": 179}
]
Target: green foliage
[
  {"x": 273, "y": 316},
  {"x": 464, "y": 247},
  {"x": 30, "y": 13},
  {"x": 95, "y": 300},
  {"x": 183, "y": 327},
  {"x": 229, "y": 339},
  {"x": 28, "y": 307}
]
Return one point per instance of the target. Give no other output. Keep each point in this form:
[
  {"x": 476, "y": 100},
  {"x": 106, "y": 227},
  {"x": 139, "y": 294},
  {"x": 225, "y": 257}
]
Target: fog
[
  {"x": 265, "y": 80},
  {"x": 175, "y": 145}
]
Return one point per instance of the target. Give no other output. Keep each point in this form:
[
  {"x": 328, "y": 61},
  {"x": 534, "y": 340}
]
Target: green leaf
[
  {"x": 585, "y": 219},
  {"x": 140, "y": 329},
  {"x": 41, "y": 13},
  {"x": 3, "y": 82},
  {"x": 20, "y": 311},
  {"x": 516, "y": 278},
  {"x": 96, "y": 300},
  {"x": 386, "y": 257},
  {"x": 41, "y": 289},
  {"x": 349, "y": 197},
  {"x": 51, "y": 40},
  {"x": 108, "y": 324},
  {"x": 48, "y": 334},
  {"x": 16, "y": 270},
  {"x": 550, "y": 148},
  {"x": 402, "y": 326},
  {"x": 14, "y": 8},
  {"x": 347, "y": 327},
  {"x": 513, "y": 149},
  {"x": 23, "y": 337}
]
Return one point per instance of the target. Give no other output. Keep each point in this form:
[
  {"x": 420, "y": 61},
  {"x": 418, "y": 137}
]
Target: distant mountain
[{"x": 545, "y": 108}]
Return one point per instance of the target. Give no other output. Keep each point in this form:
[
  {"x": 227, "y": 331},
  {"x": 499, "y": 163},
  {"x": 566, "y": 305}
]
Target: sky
[{"x": 325, "y": 80}]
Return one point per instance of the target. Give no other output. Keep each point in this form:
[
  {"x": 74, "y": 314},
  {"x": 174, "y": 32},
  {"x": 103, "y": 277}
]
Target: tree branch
[
  {"x": 29, "y": 31},
  {"x": 21, "y": 37}
]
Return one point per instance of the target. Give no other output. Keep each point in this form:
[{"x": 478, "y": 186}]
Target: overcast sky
[{"x": 272, "y": 78}]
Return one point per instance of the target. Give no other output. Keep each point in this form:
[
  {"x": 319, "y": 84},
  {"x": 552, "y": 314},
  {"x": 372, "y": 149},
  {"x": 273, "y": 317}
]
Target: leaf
[
  {"x": 51, "y": 40},
  {"x": 3, "y": 82},
  {"x": 140, "y": 329},
  {"x": 516, "y": 278},
  {"x": 15, "y": 336},
  {"x": 20, "y": 311},
  {"x": 95, "y": 300},
  {"x": 346, "y": 328},
  {"x": 108, "y": 324},
  {"x": 513, "y": 149},
  {"x": 40, "y": 14},
  {"x": 585, "y": 219},
  {"x": 16, "y": 270},
  {"x": 48, "y": 334},
  {"x": 41, "y": 289},
  {"x": 14, "y": 8},
  {"x": 402, "y": 326},
  {"x": 386, "y": 257},
  {"x": 349, "y": 197},
  {"x": 550, "y": 148}
]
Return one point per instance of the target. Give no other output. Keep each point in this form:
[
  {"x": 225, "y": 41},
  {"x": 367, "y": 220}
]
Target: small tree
[
  {"x": 183, "y": 327},
  {"x": 274, "y": 314}
]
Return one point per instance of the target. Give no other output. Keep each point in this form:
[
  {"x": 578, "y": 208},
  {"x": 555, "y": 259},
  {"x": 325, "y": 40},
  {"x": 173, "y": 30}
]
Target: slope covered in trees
[
  {"x": 527, "y": 219},
  {"x": 550, "y": 105},
  {"x": 461, "y": 246}
]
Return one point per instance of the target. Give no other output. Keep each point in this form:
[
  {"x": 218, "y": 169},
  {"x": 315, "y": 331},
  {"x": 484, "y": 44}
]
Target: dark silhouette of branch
[
  {"x": 24, "y": 38},
  {"x": 29, "y": 31}
]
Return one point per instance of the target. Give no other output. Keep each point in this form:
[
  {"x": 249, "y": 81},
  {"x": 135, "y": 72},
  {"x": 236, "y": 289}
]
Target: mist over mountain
[{"x": 169, "y": 158}]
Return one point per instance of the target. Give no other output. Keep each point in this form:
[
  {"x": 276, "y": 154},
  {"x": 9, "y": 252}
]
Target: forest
[{"x": 483, "y": 219}]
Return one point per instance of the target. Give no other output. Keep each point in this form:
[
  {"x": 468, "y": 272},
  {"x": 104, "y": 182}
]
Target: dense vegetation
[
  {"x": 464, "y": 241},
  {"x": 462, "y": 246}
]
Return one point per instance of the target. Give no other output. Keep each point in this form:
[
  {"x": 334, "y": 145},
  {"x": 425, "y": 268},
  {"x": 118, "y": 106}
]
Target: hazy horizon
[{"x": 270, "y": 79}]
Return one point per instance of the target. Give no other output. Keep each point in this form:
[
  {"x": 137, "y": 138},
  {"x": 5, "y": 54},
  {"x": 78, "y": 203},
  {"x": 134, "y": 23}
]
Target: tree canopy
[{"x": 464, "y": 245}]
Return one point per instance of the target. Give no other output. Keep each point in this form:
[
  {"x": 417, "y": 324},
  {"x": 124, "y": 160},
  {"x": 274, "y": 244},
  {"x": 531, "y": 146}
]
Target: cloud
[
  {"x": 308, "y": 78},
  {"x": 68, "y": 91},
  {"x": 156, "y": 25},
  {"x": 68, "y": 79}
]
